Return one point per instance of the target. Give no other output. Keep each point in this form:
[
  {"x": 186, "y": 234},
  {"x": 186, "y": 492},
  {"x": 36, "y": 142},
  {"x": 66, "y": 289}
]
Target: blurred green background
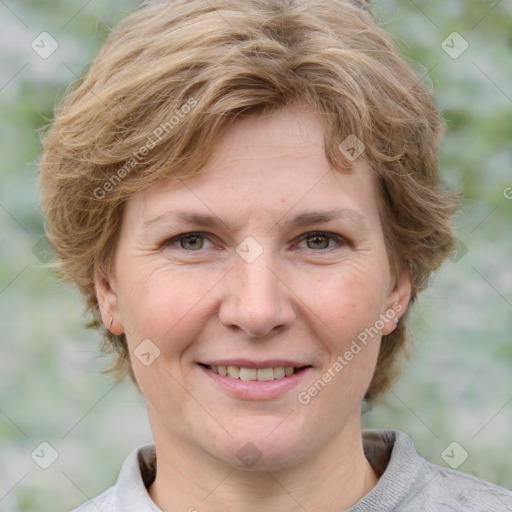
[{"x": 457, "y": 385}]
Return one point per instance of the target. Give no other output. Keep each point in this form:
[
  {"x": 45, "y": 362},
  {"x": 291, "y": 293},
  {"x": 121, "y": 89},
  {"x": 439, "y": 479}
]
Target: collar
[{"x": 390, "y": 452}]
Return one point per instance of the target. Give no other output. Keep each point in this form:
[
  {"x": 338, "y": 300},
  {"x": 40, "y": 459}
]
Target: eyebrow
[
  {"x": 302, "y": 219},
  {"x": 316, "y": 217}
]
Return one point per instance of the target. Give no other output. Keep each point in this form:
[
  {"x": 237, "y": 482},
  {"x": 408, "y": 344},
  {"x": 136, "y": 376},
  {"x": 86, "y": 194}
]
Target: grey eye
[
  {"x": 191, "y": 242},
  {"x": 318, "y": 241}
]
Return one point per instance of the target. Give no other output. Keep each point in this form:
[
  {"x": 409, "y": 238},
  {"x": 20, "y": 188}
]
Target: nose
[{"x": 257, "y": 301}]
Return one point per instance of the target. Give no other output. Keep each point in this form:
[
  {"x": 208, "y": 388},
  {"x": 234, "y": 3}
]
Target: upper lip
[{"x": 246, "y": 363}]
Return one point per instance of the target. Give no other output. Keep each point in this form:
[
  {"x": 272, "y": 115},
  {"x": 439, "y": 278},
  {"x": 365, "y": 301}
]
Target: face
[{"x": 269, "y": 261}]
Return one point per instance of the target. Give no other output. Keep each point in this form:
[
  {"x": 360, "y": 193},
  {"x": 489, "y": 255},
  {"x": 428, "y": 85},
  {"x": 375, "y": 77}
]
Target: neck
[{"x": 335, "y": 479}]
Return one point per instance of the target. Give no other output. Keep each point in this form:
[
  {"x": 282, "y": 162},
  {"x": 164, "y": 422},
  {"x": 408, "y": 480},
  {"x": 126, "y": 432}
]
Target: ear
[
  {"x": 398, "y": 301},
  {"x": 106, "y": 295}
]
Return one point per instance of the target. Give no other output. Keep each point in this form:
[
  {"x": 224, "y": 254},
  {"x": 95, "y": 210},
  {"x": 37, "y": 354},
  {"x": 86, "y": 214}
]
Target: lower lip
[{"x": 254, "y": 389}]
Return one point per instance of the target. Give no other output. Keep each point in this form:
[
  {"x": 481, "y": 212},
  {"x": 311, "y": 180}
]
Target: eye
[
  {"x": 188, "y": 241},
  {"x": 320, "y": 240}
]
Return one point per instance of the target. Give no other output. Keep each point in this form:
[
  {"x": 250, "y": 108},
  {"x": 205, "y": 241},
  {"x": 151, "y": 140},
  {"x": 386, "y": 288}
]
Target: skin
[{"x": 303, "y": 298}]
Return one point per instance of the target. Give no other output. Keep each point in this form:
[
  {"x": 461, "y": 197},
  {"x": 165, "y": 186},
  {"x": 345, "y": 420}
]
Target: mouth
[
  {"x": 246, "y": 379},
  {"x": 246, "y": 373}
]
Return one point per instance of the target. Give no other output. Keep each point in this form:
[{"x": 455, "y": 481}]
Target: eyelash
[{"x": 310, "y": 234}]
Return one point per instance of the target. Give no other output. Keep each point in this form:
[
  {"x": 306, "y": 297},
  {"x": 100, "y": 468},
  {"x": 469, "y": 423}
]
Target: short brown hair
[{"x": 174, "y": 74}]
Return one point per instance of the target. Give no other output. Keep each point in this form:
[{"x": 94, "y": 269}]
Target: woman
[{"x": 247, "y": 195}]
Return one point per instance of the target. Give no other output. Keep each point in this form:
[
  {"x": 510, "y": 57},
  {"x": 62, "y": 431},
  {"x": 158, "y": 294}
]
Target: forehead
[{"x": 269, "y": 167}]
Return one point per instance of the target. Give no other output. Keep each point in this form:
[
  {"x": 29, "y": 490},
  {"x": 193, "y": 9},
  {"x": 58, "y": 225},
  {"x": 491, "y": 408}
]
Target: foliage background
[{"x": 457, "y": 385}]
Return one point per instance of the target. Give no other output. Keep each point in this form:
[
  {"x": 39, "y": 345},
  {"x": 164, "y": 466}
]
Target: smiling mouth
[{"x": 259, "y": 374}]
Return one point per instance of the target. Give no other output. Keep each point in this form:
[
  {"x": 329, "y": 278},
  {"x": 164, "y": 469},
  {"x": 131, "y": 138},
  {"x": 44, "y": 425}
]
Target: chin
[
  {"x": 253, "y": 459},
  {"x": 262, "y": 452}
]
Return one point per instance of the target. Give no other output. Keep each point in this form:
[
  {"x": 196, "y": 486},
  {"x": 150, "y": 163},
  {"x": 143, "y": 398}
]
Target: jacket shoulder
[
  {"x": 103, "y": 502},
  {"x": 451, "y": 490}
]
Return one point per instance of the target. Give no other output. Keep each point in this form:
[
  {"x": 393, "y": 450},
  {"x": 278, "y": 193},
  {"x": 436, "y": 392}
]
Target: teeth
[
  {"x": 279, "y": 372},
  {"x": 248, "y": 374},
  {"x": 265, "y": 374},
  {"x": 259, "y": 374},
  {"x": 233, "y": 372}
]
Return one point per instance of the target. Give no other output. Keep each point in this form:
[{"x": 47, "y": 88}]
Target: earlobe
[
  {"x": 398, "y": 301},
  {"x": 108, "y": 303}
]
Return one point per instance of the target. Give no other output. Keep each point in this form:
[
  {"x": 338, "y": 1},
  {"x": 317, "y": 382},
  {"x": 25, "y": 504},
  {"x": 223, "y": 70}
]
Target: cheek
[
  {"x": 343, "y": 309},
  {"x": 166, "y": 306},
  {"x": 347, "y": 301}
]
